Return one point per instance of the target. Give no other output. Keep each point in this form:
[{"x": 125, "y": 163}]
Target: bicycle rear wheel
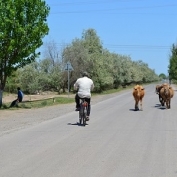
[
  {"x": 84, "y": 116},
  {"x": 80, "y": 115},
  {"x": 83, "y": 112}
]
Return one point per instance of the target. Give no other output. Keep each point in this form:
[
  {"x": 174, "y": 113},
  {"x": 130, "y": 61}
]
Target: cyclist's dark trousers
[{"x": 77, "y": 100}]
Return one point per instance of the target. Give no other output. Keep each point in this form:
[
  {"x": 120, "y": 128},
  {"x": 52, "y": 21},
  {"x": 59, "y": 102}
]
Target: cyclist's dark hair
[{"x": 85, "y": 74}]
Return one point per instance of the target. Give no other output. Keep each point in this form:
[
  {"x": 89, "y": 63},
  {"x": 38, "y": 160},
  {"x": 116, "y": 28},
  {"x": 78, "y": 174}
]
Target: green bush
[{"x": 44, "y": 103}]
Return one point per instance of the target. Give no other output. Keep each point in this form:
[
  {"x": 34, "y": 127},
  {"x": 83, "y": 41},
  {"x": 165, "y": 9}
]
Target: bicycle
[{"x": 83, "y": 112}]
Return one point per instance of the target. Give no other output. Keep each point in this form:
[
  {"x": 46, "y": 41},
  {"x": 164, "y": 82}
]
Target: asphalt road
[{"x": 117, "y": 142}]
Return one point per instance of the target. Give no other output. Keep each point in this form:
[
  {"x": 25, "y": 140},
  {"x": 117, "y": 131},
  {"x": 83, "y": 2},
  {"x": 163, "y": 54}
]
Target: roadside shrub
[{"x": 44, "y": 103}]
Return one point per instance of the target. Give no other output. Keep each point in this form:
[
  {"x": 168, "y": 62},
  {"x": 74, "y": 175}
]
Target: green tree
[
  {"x": 85, "y": 54},
  {"x": 23, "y": 25},
  {"x": 162, "y": 76},
  {"x": 49, "y": 75},
  {"x": 39, "y": 76},
  {"x": 77, "y": 55},
  {"x": 108, "y": 70},
  {"x": 28, "y": 78},
  {"x": 92, "y": 41},
  {"x": 173, "y": 63}
]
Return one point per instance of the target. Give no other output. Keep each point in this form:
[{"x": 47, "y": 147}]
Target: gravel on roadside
[{"x": 13, "y": 120}]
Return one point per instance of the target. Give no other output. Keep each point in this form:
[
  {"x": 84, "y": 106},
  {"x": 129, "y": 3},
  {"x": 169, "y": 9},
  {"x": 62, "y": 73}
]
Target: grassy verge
[
  {"x": 39, "y": 103},
  {"x": 113, "y": 90},
  {"x": 53, "y": 101}
]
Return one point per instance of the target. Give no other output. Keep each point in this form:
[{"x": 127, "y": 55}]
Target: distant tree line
[{"x": 108, "y": 70}]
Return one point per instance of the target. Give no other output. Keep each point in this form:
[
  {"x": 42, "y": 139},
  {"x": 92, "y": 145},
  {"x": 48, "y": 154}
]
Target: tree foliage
[
  {"x": 162, "y": 76},
  {"x": 23, "y": 25},
  {"x": 173, "y": 63},
  {"x": 40, "y": 76},
  {"x": 108, "y": 70}
]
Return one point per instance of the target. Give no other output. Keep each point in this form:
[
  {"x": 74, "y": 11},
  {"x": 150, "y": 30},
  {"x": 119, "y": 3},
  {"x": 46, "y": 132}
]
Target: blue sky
[{"x": 142, "y": 29}]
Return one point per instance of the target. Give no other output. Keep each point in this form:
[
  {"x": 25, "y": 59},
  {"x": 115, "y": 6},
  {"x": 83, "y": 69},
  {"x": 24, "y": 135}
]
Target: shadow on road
[
  {"x": 162, "y": 108},
  {"x": 157, "y": 105},
  {"x": 77, "y": 123},
  {"x": 135, "y": 110}
]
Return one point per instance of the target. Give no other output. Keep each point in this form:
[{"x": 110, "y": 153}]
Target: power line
[
  {"x": 94, "y": 2},
  {"x": 116, "y": 9},
  {"x": 127, "y": 47},
  {"x": 137, "y": 46}
]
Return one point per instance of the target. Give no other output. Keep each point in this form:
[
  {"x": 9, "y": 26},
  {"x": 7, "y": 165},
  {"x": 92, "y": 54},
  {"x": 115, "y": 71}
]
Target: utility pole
[{"x": 68, "y": 68}]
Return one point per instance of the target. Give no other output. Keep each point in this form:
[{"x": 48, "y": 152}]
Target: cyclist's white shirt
[{"x": 85, "y": 85}]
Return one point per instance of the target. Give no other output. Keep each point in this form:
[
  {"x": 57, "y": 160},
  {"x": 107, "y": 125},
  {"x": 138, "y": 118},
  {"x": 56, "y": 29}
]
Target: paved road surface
[{"x": 118, "y": 142}]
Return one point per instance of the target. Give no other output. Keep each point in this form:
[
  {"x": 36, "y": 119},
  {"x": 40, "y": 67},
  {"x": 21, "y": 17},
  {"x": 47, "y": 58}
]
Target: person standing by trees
[
  {"x": 19, "y": 95},
  {"x": 19, "y": 98}
]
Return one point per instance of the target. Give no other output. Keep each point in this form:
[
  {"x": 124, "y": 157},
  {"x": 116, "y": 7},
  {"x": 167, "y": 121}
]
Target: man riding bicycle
[{"x": 84, "y": 86}]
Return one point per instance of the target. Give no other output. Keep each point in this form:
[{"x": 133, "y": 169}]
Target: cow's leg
[
  {"x": 166, "y": 104},
  {"x": 160, "y": 99},
  {"x": 141, "y": 104},
  {"x": 169, "y": 103},
  {"x": 136, "y": 105},
  {"x": 162, "y": 102}
]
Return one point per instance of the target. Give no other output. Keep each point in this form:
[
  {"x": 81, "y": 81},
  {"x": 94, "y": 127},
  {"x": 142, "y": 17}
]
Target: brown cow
[
  {"x": 166, "y": 93},
  {"x": 158, "y": 88},
  {"x": 138, "y": 94}
]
